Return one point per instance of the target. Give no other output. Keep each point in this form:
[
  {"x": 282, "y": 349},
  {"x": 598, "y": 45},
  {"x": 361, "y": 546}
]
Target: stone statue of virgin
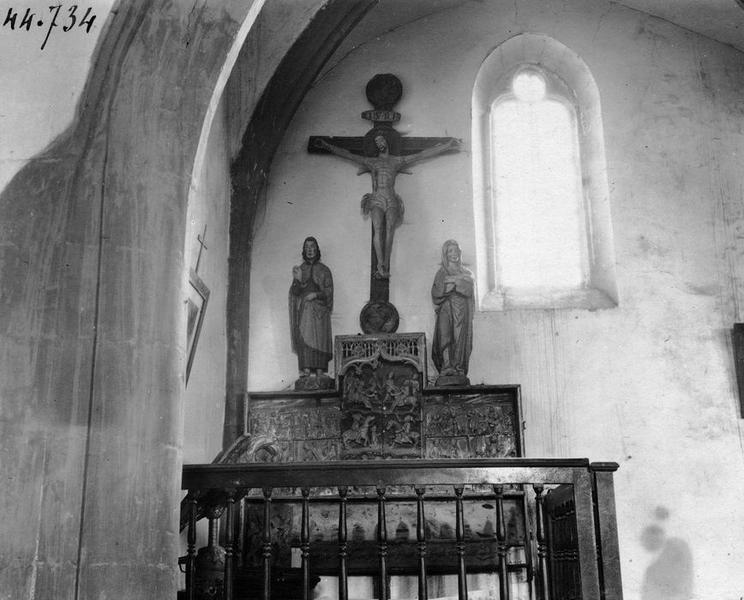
[{"x": 453, "y": 296}]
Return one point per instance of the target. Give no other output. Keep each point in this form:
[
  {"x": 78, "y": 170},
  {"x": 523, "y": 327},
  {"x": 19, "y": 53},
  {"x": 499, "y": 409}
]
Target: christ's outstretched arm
[
  {"x": 342, "y": 152},
  {"x": 451, "y": 144}
]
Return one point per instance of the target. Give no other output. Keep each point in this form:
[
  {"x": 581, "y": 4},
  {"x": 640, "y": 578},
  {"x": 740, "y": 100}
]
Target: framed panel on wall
[{"x": 198, "y": 296}]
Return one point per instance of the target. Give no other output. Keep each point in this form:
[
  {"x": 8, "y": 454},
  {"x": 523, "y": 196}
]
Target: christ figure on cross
[{"x": 383, "y": 205}]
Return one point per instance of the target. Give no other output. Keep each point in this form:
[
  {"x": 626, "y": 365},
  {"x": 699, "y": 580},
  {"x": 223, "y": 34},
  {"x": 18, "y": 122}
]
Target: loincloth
[{"x": 385, "y": 204}]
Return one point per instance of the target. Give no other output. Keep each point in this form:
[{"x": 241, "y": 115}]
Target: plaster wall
[
  {"x": 40, "y": 87},
  {"x": 209, "y": 207},
  {"x": 649, "y": 384}
]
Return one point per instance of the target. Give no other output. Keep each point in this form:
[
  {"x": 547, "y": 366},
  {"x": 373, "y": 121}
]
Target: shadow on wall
[{"x": 669, "y": 575}]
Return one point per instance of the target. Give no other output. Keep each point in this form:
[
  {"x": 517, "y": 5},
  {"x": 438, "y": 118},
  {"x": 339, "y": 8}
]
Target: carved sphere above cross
[{"x": 384, "y": 91}]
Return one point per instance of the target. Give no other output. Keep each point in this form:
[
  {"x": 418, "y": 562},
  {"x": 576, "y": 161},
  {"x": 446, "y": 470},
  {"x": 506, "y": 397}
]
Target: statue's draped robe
[
  {"x": 310, "y": 320},
  {"x": 453, "y": 333}
]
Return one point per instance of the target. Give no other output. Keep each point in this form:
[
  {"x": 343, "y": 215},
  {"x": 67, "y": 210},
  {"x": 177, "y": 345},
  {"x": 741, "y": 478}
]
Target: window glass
[{"x": 536, "y": 186}]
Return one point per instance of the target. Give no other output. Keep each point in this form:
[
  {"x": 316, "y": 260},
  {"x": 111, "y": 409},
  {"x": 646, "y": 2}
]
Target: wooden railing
[{"x": 585, "y": 490}]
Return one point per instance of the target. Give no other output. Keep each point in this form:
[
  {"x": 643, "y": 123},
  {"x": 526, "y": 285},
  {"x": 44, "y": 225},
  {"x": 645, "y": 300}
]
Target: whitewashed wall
[
  {"x": 209, "y": 206},
  {"x": 649, "y": 384},
  {"x": 40, "y": 87}
]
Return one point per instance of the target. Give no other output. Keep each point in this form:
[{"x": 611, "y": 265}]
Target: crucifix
[
  {"x": 201, "y": 238},
  {"x": 383, "y": 153}
]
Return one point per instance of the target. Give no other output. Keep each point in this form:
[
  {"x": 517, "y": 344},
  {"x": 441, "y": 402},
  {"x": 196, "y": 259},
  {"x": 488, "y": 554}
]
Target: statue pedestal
[
  {"x": 314, "y": 382},
  {"x": 452, "y": 380}
]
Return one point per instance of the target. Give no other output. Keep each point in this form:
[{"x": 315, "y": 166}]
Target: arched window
[{"x": 541, "y": 202}]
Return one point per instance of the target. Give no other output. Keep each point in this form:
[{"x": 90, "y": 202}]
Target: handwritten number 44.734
[{"x": 66, "y": 20}]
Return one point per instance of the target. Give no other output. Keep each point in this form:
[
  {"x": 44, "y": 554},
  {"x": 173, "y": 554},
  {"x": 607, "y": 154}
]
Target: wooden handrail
[{"x": 390, "y": 472}]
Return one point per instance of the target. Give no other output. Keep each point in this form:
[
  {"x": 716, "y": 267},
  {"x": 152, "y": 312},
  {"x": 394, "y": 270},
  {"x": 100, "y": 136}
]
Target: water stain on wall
[{"x": 669, "y": 575}]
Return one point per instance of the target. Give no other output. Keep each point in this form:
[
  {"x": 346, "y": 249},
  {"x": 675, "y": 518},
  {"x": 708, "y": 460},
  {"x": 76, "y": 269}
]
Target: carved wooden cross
[
  {"x": 383, "y": 153},
  {"x": 202, "y": 246}
]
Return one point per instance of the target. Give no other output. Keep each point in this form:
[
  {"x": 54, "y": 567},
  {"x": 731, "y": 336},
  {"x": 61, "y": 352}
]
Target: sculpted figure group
[{"x": 311, "y": 303}]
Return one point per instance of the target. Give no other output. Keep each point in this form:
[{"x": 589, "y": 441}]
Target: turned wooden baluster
[
  {"x": 462, "y": 581},
  {"x": 382, "y": 542},
  {"x": 423, "y": 593},
  {"x": 343, "y": 588},
  {"x": 266, "y": 538},
  {"x": 191, "y": 548},
  {"x": 305, "y": 543},
  {"x": 229, "y": 544},
  {"x": 543, "y": 589},
  {"x": 240, "y": 531},
  {"x": 501, "y": 543},
  {"x": 213, "y": 517},
  {"x": 213, "y": 513}
]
